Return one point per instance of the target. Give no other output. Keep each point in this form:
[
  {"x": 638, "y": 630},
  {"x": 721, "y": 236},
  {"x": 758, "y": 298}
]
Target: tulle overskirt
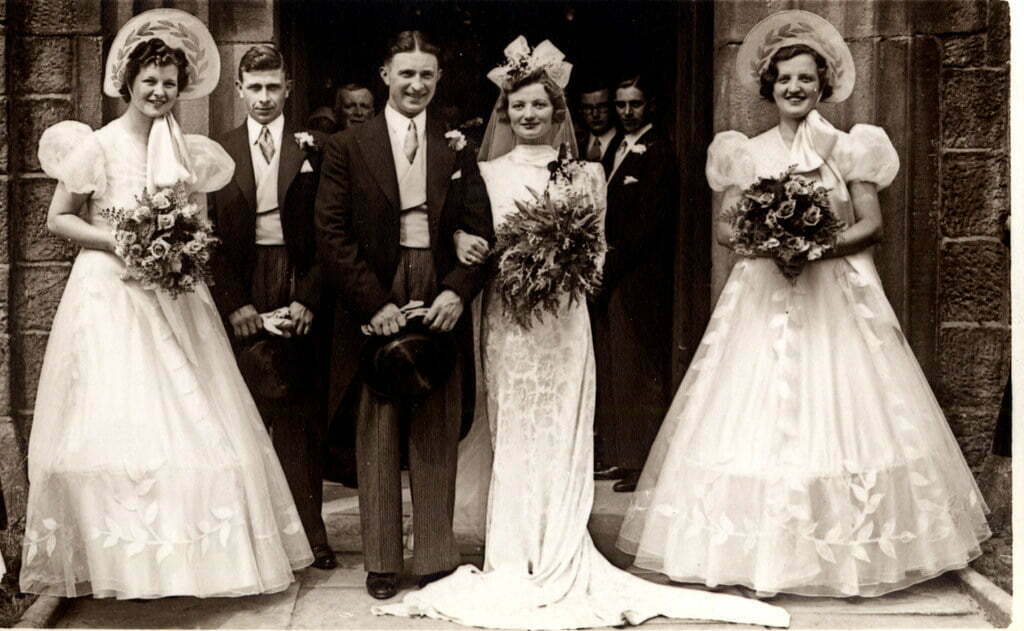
[
  {"x": 151, "y": 473},
  {"x": 804, "y": 451}
]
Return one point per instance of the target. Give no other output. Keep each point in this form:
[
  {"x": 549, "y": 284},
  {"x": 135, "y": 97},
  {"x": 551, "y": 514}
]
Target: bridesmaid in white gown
[
  {"x": 151, "y": 472},
  {"x": 542, "y": 570},
  {"x": 805, "y": 451}
]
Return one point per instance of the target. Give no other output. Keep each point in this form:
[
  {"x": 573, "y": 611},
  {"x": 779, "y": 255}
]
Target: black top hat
[{"x": 409, "y": 364}]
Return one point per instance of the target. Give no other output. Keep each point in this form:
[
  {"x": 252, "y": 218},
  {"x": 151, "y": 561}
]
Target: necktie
[
  {"x": 412, "y": 142},
  {"x": 266, "y": 143},
  {"x": 620, "y": 155},
  {"x": 594, "y": 153}
]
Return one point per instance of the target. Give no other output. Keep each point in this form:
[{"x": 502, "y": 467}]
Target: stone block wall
[{"x": 973, "y": 290}]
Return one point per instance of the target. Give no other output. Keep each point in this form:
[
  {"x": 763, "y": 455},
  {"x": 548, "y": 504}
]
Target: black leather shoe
[
  {"x": 427, "y": 579},
  {"x": 610, "y": 473},
  {"x": 381, "y": 585},
  {"x": 323, "y": 558},
  {"x": 628, "y": 483}
]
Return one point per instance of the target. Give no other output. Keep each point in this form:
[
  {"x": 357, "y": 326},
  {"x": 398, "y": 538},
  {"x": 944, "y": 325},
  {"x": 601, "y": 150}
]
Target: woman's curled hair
[
  {"x": 153, "y": 52},
  {"x": 771, "y": 73},
  {"x": 555, "y": 93}
]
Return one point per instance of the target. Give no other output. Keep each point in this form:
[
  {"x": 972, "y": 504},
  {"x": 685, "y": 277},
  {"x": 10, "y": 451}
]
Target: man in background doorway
[
  {"x": 632, "y": 316},
  {"x": 353, "y": 104},
  {"x": 601, "y": 136}
]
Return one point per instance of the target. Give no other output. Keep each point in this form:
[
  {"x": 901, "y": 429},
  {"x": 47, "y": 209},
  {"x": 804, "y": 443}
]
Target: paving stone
[
  {"x": 270, "y": 611},
  {"x": 349, "y": 608},
  {"x": 850, "y": 621},
  {"x": 938, "y": 597}
]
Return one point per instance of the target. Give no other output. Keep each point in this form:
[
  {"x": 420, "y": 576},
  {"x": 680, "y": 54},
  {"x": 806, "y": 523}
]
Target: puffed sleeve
[
  {"x": 729, "y": 161},
  {"x": 71, "y": 153},
  {"x": 212, "y": 165},
  {"x": 867, "y": 155}
]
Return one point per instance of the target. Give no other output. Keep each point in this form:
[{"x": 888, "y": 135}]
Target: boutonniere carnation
[
  {"x": 638, "y": 149},
  {"x": 456, "y": 140},
  {"x": 305, "y": 140}
]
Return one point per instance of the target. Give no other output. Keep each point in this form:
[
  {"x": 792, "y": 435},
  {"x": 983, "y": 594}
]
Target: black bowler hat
[{"x": 409, "y": 364}]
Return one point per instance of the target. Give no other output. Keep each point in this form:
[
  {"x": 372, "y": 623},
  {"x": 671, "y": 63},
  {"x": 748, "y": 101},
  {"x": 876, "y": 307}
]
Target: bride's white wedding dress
[
  {"x": 541, "y": 569},
  {"x": 151, "y": 472}
]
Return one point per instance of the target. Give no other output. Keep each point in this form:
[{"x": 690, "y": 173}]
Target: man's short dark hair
[
  {"x": 637, "y": 81},
  {"x": 410, "y": 41},
  {"x": 259, "y": 58}
]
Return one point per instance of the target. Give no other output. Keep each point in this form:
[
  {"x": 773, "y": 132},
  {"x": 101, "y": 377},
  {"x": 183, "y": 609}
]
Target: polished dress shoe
[
  {"x": 323, "y": 558},
  {"x": 609, "y": 473},
  {"x": 628, "y": 482},
  {"x": 381, "y": 585},
  {"x": 427, "y": 579}
]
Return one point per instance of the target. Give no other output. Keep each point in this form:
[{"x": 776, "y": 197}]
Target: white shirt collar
[
  {"x": 398, "y": 123},
  {"x": 275, "y": 126},
  {"x": 631, "y": 138}
]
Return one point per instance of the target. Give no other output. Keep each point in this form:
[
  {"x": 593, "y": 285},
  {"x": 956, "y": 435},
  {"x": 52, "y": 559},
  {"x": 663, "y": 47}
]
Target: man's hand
[
  {"x": 388, "y": 320},
  {"x": 302, "y": 318},
  {"x": 445, "y": 312},
  {"x": 245, "y": 321},
  {"x": 470, "y": 249}
]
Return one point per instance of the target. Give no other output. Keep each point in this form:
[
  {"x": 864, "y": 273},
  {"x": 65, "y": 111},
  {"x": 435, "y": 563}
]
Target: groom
[{"x": 392, "y": 192}]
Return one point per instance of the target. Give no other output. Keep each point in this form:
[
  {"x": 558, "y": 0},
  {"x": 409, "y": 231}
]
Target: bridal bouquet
[
  {"x": 549, "y": 250},
  {"x": 787, "y": 218},
  {"x": 164, "y": 240}
]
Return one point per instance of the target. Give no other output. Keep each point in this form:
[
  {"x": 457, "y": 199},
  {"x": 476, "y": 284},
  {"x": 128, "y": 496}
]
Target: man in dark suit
[
  {"x": 267, "y": 261},
  {"x": 600, "y": 136},
  {"x": 392, "y": 193},
  {"x": 632, "y": 321}
]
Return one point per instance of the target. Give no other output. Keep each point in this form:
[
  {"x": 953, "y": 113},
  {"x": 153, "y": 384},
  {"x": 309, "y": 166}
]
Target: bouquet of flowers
[
  {"x": 164, "y": 240},
  {"x": 549, "y": 250},
  {"x": 787, "y": 218}
]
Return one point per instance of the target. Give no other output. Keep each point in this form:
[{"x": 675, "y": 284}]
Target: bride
[
  {"x": 541, "y": 569},
  {"x": 151, "y": 472}
]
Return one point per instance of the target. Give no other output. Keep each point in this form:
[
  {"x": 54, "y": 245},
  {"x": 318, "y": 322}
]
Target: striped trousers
[{"x": 433, "y": 450}]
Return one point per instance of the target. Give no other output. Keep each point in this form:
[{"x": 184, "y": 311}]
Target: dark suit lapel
[
  {"x": 375, "y": 144},
  {"x": 291, "y": 161},
  {"x": 440, "y": 160},
  {"x": 608, "y": 160},
  {"x": 237, "y": 146},
  {"x": 630, "y": 158}
]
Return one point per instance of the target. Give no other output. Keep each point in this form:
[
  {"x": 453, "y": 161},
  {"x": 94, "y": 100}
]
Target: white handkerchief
[
  {"x": 457, "y": 174},
  {"x": 306, "y": 167},
  {"x": 629, "y": 179}
]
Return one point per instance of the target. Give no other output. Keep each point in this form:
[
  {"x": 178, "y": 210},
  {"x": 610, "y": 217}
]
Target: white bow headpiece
[{"x": 520, "y": 61}]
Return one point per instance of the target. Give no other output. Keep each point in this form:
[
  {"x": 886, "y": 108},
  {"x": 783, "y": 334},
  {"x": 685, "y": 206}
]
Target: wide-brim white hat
[
  {"x": 177, "y": 29},
  {"x": 787, "y": 28}
]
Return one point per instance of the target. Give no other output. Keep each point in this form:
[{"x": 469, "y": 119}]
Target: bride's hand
[{"x": 470, "y": 249}]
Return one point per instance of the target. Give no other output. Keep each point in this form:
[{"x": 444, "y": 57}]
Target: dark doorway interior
[{"x": 330, "y": 43}]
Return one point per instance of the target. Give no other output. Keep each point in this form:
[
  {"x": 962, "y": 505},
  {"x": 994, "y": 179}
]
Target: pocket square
[
  {"x": 629, "y": 179},
  {"x": 306, "y": 167},
  {"x": 457, "y": 174}
]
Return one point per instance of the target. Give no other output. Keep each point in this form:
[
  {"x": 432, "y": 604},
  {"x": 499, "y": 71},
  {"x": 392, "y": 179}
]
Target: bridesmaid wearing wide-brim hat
[
  {"x": 151, "y": 473},
  {"x": 805, "y": 451}
]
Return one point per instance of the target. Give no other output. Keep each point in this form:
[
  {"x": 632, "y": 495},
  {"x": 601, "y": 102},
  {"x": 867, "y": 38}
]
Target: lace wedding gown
[
  {"x": 542, "y": 570},
  {"x": 151, "y": 472},
  {"x": 804, "y": 451}
]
